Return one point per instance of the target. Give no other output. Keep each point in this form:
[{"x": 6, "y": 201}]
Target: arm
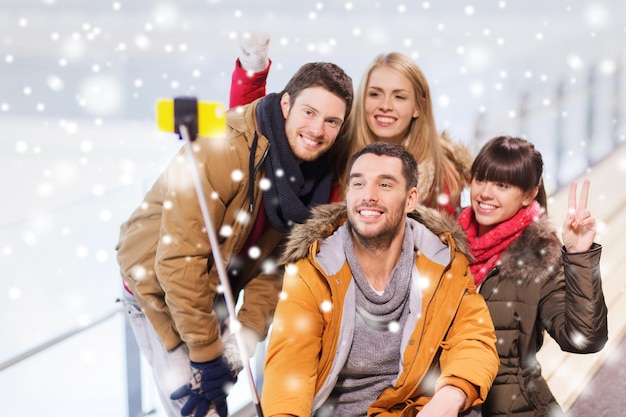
[
  {"x": 572, "y": 306},
  {"x": 183, "y": 250},
  {"x": 263, "y": 283},
  {"x": 448, "y": 401},
  {"x": 579, "y": 227},
  {"x": 251, "y": 69},
  {"x": 470, "y": 361},
  {"x": 259, "y": 303},
  {"x": 293, "y": 351}
]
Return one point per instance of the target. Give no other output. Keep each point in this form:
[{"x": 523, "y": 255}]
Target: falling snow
[{"x": 80, "y": 147}]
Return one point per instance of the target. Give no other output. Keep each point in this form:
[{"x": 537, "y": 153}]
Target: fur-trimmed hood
[
  {"x": 327, "y": 218},
  {"x": 536, "y": 253}
]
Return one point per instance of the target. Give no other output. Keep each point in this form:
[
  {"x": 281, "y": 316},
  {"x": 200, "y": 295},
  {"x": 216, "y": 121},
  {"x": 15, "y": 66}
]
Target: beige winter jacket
[{"x": 164, "y": 253}]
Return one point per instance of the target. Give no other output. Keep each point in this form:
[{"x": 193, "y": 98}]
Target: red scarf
[{"x": 488, "y": 248}]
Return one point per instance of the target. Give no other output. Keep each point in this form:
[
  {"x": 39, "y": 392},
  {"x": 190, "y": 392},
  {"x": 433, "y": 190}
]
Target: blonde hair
[{"x": 422, "y": 141}]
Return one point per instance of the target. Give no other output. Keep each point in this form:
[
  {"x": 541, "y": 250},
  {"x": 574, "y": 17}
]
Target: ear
[
  {"x": 285, "y": 104},
  {"x": 416, "y": 113},
  {"x": 530, "y": 196},
  {"x": 411, "y": 200}
]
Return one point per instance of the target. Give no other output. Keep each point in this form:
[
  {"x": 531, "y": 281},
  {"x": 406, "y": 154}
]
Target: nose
[
  {"x": 386, "y": 103},
  {"x": 370, "y": 193},
  {"x": 486, "y": 190},
  {"x": 316, "y": 127}
]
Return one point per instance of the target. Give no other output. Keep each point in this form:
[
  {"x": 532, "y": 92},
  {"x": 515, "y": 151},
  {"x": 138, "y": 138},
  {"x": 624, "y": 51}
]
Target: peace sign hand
[{"x": 579, "y": 227}]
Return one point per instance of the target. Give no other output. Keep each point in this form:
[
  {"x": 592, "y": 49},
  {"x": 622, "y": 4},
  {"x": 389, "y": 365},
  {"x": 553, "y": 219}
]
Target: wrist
[
  {"x": 253, "y": 65},
  {"x": 455, "y": 395},
  {"x": 206, "y": 364}
]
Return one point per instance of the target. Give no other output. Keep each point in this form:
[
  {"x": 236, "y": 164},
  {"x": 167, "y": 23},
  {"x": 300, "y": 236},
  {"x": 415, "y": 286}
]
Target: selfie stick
[{"x": 188, "y": 117}]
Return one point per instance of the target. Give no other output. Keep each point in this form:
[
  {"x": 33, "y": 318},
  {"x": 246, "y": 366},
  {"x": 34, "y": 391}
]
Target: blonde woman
[{"x": 391, "y": 104}]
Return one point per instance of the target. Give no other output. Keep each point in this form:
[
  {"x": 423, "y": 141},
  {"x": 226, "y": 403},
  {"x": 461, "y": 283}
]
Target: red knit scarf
[{"x": 488, "y": 248}]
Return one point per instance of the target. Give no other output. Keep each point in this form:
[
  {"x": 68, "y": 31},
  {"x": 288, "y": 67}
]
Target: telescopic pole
[{"x": 219, "y": 265}]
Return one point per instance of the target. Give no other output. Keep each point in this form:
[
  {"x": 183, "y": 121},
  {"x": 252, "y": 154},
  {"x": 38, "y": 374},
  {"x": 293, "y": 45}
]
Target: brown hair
[
  {"x": 513, "y": 161},
  {"x": 409, "y": 166},
  {"x": 321, "y": 74}
]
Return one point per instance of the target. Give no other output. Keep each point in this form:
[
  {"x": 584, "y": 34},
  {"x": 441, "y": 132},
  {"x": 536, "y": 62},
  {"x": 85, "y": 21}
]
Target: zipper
[
  {"x": 251, "y": 182},
  {"x": 427, "y": 309},
  {"x": 253, "y": 175}
]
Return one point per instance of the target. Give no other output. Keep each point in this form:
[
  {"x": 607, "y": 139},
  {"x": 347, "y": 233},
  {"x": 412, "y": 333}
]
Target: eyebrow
[
  {"x": 396, "y": 90},
  {"x": 379, "y": 177}
]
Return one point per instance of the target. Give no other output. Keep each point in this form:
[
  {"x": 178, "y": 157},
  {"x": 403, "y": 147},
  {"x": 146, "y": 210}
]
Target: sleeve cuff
[{"x": 470, "y": 390}]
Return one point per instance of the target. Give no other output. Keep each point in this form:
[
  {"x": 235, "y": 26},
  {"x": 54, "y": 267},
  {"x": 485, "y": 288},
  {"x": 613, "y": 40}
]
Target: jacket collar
[{"x": 327, "y": 218}]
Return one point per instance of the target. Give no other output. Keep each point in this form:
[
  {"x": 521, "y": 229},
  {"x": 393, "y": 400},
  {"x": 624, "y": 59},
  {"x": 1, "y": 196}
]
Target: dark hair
[
  {"x": 409, "y": 166},
  {"x": 321, "y": 74},
  {"x": 513, "y": 161}
]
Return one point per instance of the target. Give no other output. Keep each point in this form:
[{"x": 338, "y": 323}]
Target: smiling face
[
  {"x": 390, "y": 104},
  {"x": 496, "y": 202},
  {"x": 378, "y": 200},
  {"x": 312, "y": 121}
]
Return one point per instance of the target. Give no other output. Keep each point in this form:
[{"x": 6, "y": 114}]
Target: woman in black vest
[{"x": 531, "y": 282}]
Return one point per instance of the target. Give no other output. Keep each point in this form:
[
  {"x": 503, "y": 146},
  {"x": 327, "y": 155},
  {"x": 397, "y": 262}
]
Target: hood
[
  {"x": 538, "y": 249},
  {"x": 327, "y": 218},
  {"x": 441, "y": 223}
]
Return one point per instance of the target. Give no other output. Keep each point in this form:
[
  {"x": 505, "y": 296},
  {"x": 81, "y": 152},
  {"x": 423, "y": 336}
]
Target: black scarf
[{"x": 295, "y": 188}]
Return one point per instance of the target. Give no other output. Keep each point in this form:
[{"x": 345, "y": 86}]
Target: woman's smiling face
[
  {"x": 390, "y": 104},
  {"x": 496, "y": 202}
]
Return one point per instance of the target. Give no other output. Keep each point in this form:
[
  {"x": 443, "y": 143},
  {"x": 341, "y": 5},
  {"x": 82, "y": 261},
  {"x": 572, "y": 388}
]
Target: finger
[
  {"x": 202, "y": 409},
  {"x": 589, "y": 223},
  {"x": 584, "y": 195},
  {"x": 180, "y": 393},
  {"x": 190, "y": 405},
  {"x": 216, "y": 394},
  {"x": 222, "y": 407},
  {"x": 583, "y": 216},
  {"x": 571, "y": 203}
]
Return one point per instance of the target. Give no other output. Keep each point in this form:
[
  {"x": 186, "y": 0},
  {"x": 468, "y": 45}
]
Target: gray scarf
[
  {"x": 372, "y": 363},
  {"x": 380, "y": 310}
]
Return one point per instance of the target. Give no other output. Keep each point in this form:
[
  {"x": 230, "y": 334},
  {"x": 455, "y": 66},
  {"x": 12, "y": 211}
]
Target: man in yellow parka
[{"x": 379, "y": 315}]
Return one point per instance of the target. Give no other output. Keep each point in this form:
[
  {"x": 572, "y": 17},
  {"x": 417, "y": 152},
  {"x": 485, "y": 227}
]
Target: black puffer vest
[{"x": 538, "y": 287}]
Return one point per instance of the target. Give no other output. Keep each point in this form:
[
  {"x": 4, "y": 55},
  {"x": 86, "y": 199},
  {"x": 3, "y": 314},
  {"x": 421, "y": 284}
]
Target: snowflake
[{"x": 326, "y": 306}]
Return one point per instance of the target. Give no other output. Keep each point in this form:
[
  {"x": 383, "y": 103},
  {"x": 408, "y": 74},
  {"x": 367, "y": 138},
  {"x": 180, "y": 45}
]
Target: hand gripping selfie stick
[{"x": 189, "y": 117}]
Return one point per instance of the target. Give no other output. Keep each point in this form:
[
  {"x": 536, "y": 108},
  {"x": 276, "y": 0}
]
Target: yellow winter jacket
[{"x": 451, "y": 343}]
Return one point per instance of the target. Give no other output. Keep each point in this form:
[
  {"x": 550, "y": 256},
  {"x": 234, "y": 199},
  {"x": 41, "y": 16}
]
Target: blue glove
[{"x": 207, "y": 385}]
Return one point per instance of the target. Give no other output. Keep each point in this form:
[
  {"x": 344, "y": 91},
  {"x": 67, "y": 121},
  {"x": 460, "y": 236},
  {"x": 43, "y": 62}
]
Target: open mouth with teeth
[
  {"x": 486, "y": 206},
  {"x": 310, "y": 141},
  {"x": 366, "y": 212},
  {"x": 385, "y": 120}
]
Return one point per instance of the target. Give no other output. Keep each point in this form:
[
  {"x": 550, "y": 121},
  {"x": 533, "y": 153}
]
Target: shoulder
[
  {"x": 457, "y": 153},
  {"x": 241, "y": 121},
  {"x": 324, "y": 220},
  {"x": 443, "y": 225},
  {"x": 237, "y": 143},
  {"x": 538, "y": 249}
]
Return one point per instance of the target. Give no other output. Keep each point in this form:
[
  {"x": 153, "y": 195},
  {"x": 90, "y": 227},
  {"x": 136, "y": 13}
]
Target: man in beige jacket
[{"x": 265, "y": 175}]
